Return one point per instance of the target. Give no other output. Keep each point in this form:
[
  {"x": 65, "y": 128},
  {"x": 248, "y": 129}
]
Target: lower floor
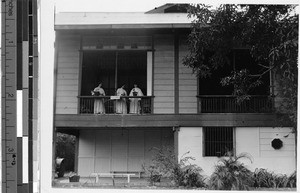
[
  {"x": 105, "y": 150},
  {"x": 119, "y": 150}
]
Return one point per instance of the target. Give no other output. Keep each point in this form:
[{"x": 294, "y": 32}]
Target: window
[
  {"x": 217, "y": 140},
  {"x": 114, "y": 69},
  {"x": 238, "y": 59}
]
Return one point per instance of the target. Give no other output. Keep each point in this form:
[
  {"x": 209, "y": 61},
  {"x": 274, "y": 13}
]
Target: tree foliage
[{"x": 270, "y": 32}]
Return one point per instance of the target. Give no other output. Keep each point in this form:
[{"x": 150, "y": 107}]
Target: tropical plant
[
  {"x": 231, "y": 174},
  {"x": 182, "y": 173},
  {"x": 292, "y": 181},
  {"x": 266, "y": 179}
]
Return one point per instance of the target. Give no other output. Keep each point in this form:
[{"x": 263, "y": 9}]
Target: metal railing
[
  {"x": 229, "y": 104},
  {"x": 115, "y": 104}
]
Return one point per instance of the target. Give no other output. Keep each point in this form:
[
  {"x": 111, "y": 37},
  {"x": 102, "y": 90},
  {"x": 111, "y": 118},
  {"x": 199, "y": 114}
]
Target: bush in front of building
[
  {"x": 231, "y": 174},
  {"x": 181, "y": 173},
  {"x": 266, "y": 179},
  {"x": 65, "y": 148}
]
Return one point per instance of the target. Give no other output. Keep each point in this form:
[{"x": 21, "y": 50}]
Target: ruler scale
[
  {"x": 9, "y": 102},
  {"x": 19, "y": 96}
]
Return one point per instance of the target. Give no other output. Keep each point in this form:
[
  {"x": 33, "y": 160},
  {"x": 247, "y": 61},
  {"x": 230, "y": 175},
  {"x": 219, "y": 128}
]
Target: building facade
[{"x": 176, "y": 110}]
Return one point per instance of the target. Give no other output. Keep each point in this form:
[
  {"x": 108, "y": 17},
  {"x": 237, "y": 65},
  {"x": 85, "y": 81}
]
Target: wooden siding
[
  {"x": 67, "y": 74},
  {"x": 266, "y": 135},
  {"x": 119, "y": 149},
  {"x": 163, "y": 83},
  {"x": 187, "y": 82}
]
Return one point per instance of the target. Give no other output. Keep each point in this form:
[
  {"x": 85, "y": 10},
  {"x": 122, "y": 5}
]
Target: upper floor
[
  {"x": 146, "y": 49},
  {"x": 154, "y": 63}
]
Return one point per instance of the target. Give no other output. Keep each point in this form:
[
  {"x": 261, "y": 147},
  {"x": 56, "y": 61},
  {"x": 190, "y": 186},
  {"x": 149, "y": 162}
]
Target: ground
[
  {"x": 135, "y": 183},
  {"x": 108, "y": 182}
]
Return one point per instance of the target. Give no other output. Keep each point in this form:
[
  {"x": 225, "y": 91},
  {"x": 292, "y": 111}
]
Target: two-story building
[{"x": 177, "y": 109}]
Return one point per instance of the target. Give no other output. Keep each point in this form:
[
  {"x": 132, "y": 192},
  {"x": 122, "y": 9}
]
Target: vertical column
[{"x": 176, "y": 73}]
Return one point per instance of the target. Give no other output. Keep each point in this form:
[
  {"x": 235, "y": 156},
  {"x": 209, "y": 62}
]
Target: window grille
[{"x": 217, "y": 141}]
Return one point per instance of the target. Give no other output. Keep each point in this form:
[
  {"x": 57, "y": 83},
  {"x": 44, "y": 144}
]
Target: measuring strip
[
  {"x": 9, "y": 102},
  {"x": 19, "y": 96}
]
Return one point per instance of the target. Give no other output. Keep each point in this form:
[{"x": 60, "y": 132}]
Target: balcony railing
[
  {"x": 229, "y": 104},
  {"x": 115, "y": 104}
]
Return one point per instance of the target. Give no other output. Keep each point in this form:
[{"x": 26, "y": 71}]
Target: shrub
[
  {"x": 231, "y": 174},
  {"x": 65, "y": 148},
  {"x": 266, "y": 179},
  {"x": 182, "y": 173},
  {"x": 154, "y": 172}
]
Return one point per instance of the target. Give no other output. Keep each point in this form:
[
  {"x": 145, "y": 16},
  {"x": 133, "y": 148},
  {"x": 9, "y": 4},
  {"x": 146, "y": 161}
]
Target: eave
[{"x": 123, "y": 26}]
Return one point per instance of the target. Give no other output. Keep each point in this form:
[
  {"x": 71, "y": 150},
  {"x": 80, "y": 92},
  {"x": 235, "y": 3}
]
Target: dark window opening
[
  {"x": 217, "y": 141},
  {"x": 238, "y": 59},
  {"x": 113, "y": 69}
]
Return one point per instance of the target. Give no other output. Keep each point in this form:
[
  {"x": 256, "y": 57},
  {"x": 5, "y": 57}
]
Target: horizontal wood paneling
[
  {"x": 164, "y": 93},
  {"x": 281, "y": 154},
  {"x": 66, "y": 111},
  {"x": 267, "y": 141},
  {"x": 286, "y": 147},
  {"x": 163, "y": 84},
  {"x": 62, "y": 87},
  {"x": 187, "y": 83},
  {"x": 159, "y": 78},
  {"x": 279, "y": 130},
  {"x": 67, "y": 93},
  {"x": 164, "y": 105},
  {"x": 62, "y": 77},
  {"x": 67, "y": 74},
  {"x": 266, "y": 135}
]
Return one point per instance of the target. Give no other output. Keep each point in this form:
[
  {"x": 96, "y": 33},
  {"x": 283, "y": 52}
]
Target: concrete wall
[
  {"x": 119, "y": 150},
  {"x": 254, "y": 141}
]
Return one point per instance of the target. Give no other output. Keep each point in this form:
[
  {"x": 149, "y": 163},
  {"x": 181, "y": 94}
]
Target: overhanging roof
[{"x": 128, "y": 20}]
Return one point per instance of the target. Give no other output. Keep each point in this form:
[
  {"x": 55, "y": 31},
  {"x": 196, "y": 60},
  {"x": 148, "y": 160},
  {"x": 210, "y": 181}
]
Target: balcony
[
  {"x": 229, "y": 104},
  {"x": 87, "y": 103}
]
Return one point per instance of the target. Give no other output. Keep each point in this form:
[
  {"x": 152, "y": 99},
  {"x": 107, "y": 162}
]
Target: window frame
[{"x": 204, "y": 153}]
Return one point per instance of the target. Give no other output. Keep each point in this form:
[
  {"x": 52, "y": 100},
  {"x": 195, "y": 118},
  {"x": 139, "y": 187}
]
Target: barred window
[{"x": 217, "y": 140}]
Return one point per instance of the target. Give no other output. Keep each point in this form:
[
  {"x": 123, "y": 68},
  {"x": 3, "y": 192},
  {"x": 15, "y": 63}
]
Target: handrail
[
  {"x": 230, "y": 96},
  {"x": 115, "y": 104},
  {"x": 112, "y": 96},
  {"x": 229, "y": 104}
]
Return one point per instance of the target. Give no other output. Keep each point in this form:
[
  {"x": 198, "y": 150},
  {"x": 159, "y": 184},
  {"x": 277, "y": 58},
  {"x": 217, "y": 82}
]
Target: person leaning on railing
[
  {"x": 121, "y": 106},
  {"x": 135, "y": 103},
  {"x": 99, "y": 107}
]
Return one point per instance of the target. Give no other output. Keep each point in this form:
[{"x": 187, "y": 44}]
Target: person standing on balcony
[
  {"x": 99, "y": 107},
  {"x": 135, "y": 103},
  {"x": 121, "y": 106}
]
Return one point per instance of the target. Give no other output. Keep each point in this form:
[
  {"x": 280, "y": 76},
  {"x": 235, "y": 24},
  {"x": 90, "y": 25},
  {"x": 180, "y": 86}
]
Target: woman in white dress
[
  {"x": 99, "y": 107},
  {"x": 121, "y": 106},
  {"x": 135, "y": 103}
]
